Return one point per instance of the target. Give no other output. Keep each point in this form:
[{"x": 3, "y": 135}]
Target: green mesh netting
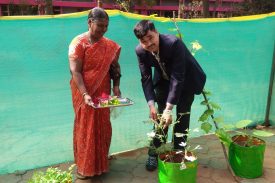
[{"x": 36, "y": 115}]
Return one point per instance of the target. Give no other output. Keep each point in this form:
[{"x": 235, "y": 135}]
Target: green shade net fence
[{"x": 36, "y": 114}]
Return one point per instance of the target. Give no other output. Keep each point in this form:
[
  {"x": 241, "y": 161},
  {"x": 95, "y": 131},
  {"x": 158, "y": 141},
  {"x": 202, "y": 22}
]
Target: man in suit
[{"x": 177, "y": 78}]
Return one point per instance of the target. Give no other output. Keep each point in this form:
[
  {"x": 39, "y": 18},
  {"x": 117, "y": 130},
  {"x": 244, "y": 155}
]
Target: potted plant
[
  {"x": 175, "y": 165},
  {"x": 53, "y": 175},
  {"x": 245, "y": 148}
]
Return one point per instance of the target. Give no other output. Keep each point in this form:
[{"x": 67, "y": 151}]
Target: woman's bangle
[{"x": 83, "y": 94}]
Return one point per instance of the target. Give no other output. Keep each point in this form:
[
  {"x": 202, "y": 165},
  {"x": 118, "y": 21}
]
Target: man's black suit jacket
[{"x": 185, "y": 74}]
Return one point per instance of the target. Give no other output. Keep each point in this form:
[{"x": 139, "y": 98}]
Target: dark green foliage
[
  {"x": 253, "y": 7},
  {"x": 224, "y": 137}
]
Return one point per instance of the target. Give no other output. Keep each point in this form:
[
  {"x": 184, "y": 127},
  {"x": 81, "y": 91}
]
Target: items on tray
[{"x": 110, "y": 101}]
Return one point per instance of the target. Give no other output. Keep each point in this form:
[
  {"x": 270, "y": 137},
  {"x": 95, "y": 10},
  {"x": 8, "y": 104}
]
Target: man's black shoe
[{"x": 151, "y": 163}]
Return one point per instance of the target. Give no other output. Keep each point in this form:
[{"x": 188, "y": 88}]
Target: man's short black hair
[
  {"x": 143, "y": 27},
  {"x": 98, "y": 13}
]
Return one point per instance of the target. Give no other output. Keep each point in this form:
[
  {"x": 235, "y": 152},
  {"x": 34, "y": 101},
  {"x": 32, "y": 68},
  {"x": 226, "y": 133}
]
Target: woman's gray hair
[{"x": 97, "y": 13}]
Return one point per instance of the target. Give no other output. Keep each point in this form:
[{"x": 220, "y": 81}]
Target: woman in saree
[{"x": 93, "y": 62}]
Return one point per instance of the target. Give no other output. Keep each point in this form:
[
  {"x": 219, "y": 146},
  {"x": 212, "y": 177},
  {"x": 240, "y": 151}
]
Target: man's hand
[
  {"x": 166, "y": 118},
  {"x": 116, "y": 91},
  {"x": 153, "y": 113}
]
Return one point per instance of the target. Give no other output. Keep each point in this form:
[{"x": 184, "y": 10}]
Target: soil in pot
[
  {"x": 173, "y": 157},
  {"x": 243, "y": 141}
]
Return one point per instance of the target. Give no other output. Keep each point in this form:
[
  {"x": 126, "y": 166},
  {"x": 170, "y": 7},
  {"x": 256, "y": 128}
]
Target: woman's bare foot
[{"x": 77, "y": 180}]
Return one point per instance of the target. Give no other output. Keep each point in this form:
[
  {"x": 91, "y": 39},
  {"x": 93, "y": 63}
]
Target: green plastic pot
[
  {"x": 169, "y": 172},
  {"x": 247, "y": 162}
]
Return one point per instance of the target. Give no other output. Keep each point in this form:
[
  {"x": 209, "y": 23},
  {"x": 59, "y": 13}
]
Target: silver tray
[{"x": 124, "y": 102}]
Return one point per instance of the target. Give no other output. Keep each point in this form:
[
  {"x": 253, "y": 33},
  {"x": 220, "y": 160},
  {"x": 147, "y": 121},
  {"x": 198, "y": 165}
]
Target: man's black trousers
[{"x": 183, "y": 106}]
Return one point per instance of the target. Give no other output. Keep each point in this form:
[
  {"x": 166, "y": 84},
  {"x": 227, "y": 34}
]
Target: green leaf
[
  {"x": 243, "y": 123},
  {"x": 52, "y": 175},
  {"x": 224, "y": 137},
  {"x": 179, "y": 35},
  {"x": 228, "y": 126},
  {"x": 207, "y": 93},
  {"x": 215, "y": 106},
  {"x": 203, "y": 117},
  {"x": 173, "y": 29},
  {"x": 204, "y": 103},
  {"x": 209, "y": 111},
  {"x": 206, "y": 127},
  {"x": 218, "y": 119},
  {"x": 206, "y": 115},
  {"x": 262, "y": 133}
]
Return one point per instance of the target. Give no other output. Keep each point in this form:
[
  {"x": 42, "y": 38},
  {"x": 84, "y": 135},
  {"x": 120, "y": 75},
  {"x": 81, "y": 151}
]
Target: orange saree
[{"x": 92, "y": 127}]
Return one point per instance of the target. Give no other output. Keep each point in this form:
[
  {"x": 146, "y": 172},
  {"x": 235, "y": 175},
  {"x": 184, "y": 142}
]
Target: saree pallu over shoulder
[
  {"x": 92, "y": 127},
  {"x": 96, "y": 59},
  {"x": 103, "y": 54}
]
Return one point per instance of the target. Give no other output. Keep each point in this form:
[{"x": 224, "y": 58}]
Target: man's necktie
[{"x": 164, "y": 74}]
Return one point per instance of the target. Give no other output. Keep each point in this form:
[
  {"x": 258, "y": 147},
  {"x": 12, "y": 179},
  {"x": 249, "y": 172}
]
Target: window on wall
[
  {"x": 56, "y": 10},
  {"x": 18, "y": 9},
  {"x": 4, "y": 9}
]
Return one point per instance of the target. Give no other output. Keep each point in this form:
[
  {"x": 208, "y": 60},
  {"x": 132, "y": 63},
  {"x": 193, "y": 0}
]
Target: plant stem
[
  {"x": 176, "y": 25},
  {"x": 223, "y": 147},
  {"x": 212, "y": 116}
]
